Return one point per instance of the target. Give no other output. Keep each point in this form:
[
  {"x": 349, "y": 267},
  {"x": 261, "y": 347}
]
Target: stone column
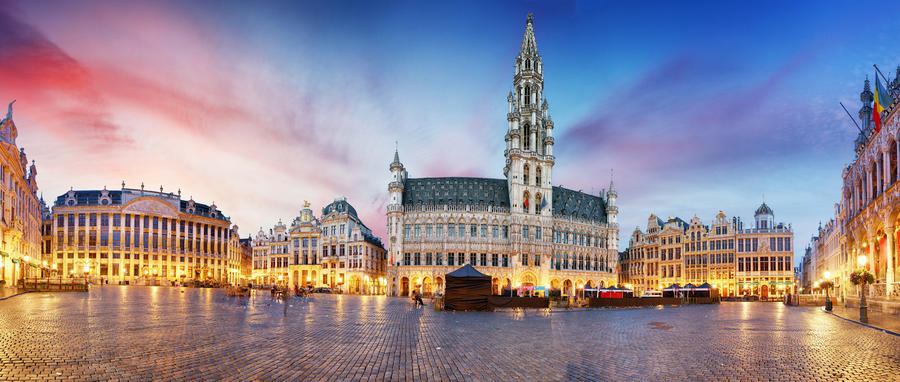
[
  {"x": 889, "y": 271},
  {"x": 879, "y": 185},
  {"x": 886, "y": 167},
  {"x": 867, "y": 189}
]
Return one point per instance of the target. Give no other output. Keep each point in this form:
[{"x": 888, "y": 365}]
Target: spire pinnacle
[
  {"x": 529, "y": 45},
  {"x": 612, "y": 187},
  {"x": 396, "y": 162}
]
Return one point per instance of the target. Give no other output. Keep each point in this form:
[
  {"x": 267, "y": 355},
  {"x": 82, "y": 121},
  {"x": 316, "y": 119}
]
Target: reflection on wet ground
[{"x": 178, "y": 333}]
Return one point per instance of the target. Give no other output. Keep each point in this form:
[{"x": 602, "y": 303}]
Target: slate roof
[
  {"x": 495, "y": 192},
  {"x": 577, "y": 204},
  {"x": 764, "y": 209},
  {"x": 92, "y": 198},
  {"x": 455, "y": 191},
  {"x": 89, "y": 197},
  {"x": 340, "y": 206}
]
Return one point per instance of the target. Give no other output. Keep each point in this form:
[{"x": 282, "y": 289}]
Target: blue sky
[{"x": 698, "y": 107}]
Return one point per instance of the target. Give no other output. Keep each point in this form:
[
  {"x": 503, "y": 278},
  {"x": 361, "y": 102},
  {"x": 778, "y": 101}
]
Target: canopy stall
[
  {"x": 626, "y": 292},
  {"x": 467, "y": 289},
  {"x": 671, "y": 290},
  {"x": 705, "y": 290}
]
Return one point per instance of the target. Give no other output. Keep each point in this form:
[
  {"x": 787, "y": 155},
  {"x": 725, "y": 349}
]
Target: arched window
[
  {"x": 525, "y": 202},
  {"x": 537, "y": 203},
  {"x": 537, "y": 176},
  {"x": 527, "y": 95},
  {"x": 566, "y": 261},
  {"x": 526, "y": 137},
  {"x": 525, "y": 171},
  {"x": 527, "y": 64}
]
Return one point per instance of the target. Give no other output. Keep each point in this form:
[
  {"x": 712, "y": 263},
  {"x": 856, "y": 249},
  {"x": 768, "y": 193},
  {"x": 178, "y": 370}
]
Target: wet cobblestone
[{"x": 145, "y": 333}]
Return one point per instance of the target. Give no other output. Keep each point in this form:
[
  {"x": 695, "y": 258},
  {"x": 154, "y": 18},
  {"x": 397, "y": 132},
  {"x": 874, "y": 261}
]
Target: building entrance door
[{"x": 764, "y": 294}]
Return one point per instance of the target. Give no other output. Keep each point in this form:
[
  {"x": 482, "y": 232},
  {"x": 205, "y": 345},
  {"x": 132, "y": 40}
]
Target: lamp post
[
  {"x": 863, "y": 308},
  {"x": 827, "y": 284}
]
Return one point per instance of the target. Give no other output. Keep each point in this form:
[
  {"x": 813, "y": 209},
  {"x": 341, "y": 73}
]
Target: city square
[
  {"x": 468, "y": 190},
  {"x": 143, "y": 333}
]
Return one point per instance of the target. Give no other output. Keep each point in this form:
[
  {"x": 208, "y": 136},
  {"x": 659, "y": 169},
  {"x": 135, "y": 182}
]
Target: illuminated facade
[
  {"x": 337, "y": 251},
  {"x": 521, "y": 230},
  {"x": 135, "y": 236},
  {"x": 736, "y": 260},
  {"x": 20, "y": 209},
  {"x": 870, "y": 204}
]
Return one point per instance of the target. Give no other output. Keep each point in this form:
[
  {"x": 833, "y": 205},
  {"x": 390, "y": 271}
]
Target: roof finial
[
  {"x": 612, "y": 188},
  {"x": 9, "y": 110},
  {"x": 529, "y": 18}
]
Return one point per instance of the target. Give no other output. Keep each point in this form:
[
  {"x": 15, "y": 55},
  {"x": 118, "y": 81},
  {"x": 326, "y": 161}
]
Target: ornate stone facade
[
  {"x": 20, "y": 209},
  {"x": 138, "y": 236},
  {"x": 337, "y": 251},
  {"x": 870, "y": 200},
  {"x": 754, "y": 261},
  {"x": 522, "y": 230}
]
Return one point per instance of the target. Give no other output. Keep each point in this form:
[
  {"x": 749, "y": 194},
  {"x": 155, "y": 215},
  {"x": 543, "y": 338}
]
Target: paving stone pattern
[{"x": 159, "y": 333}]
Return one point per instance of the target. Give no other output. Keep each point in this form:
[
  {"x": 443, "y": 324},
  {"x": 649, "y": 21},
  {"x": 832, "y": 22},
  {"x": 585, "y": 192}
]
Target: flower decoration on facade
[{"x": 862, "y": 277}]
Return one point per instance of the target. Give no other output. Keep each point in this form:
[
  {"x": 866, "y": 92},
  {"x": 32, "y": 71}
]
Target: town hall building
[{"x": 530, "y": 236}]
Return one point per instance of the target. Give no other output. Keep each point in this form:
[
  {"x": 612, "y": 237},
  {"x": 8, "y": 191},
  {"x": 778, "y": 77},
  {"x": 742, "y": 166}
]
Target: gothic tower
[
  {"x": 395, "y": 208},
  {"x": 529, "y": 141}
]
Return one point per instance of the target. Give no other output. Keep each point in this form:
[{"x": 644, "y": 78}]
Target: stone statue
[{"x": 9, "y": 110}]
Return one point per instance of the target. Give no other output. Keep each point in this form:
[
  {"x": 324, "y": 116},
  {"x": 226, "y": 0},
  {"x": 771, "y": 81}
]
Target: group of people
[
  {"x": 284, "y": 292},
  {"x": 417, "y": 298}
]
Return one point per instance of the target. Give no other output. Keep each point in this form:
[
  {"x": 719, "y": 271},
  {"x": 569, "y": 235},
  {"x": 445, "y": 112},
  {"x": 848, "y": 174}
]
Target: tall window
[
  {"x": 537, "y": 176},
  {"x": 527, "y": 94},
  {"x": 526, "y": 140},
  {"x": 525, "y": 171},
  {"x": 537, "y": 203}
]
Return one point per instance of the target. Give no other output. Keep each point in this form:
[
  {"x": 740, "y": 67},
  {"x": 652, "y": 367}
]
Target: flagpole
[
  {"x": 851, "y": 117},
  {"x": 885, "y": 81}
]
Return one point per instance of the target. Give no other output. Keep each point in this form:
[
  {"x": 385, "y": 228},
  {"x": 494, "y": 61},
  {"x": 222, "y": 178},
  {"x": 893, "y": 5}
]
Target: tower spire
[{"x": 529, "y": 44}]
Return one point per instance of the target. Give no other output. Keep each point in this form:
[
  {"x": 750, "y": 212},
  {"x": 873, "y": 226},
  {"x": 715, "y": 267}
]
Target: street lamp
[{"x": 863, "y": 308}]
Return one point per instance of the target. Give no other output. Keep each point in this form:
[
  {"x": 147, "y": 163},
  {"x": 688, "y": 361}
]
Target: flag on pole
[
  {"x": 543, "y": 203},
  {"x": 881, "y": 98}
]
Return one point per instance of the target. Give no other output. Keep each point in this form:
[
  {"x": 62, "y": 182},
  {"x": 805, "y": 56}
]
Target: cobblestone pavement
[{"x": 144, "y": 333}]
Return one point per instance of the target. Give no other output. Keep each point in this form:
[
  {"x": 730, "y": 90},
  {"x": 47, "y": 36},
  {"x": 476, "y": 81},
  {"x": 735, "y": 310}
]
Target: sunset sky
[{"x": 260, "y": 106}]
